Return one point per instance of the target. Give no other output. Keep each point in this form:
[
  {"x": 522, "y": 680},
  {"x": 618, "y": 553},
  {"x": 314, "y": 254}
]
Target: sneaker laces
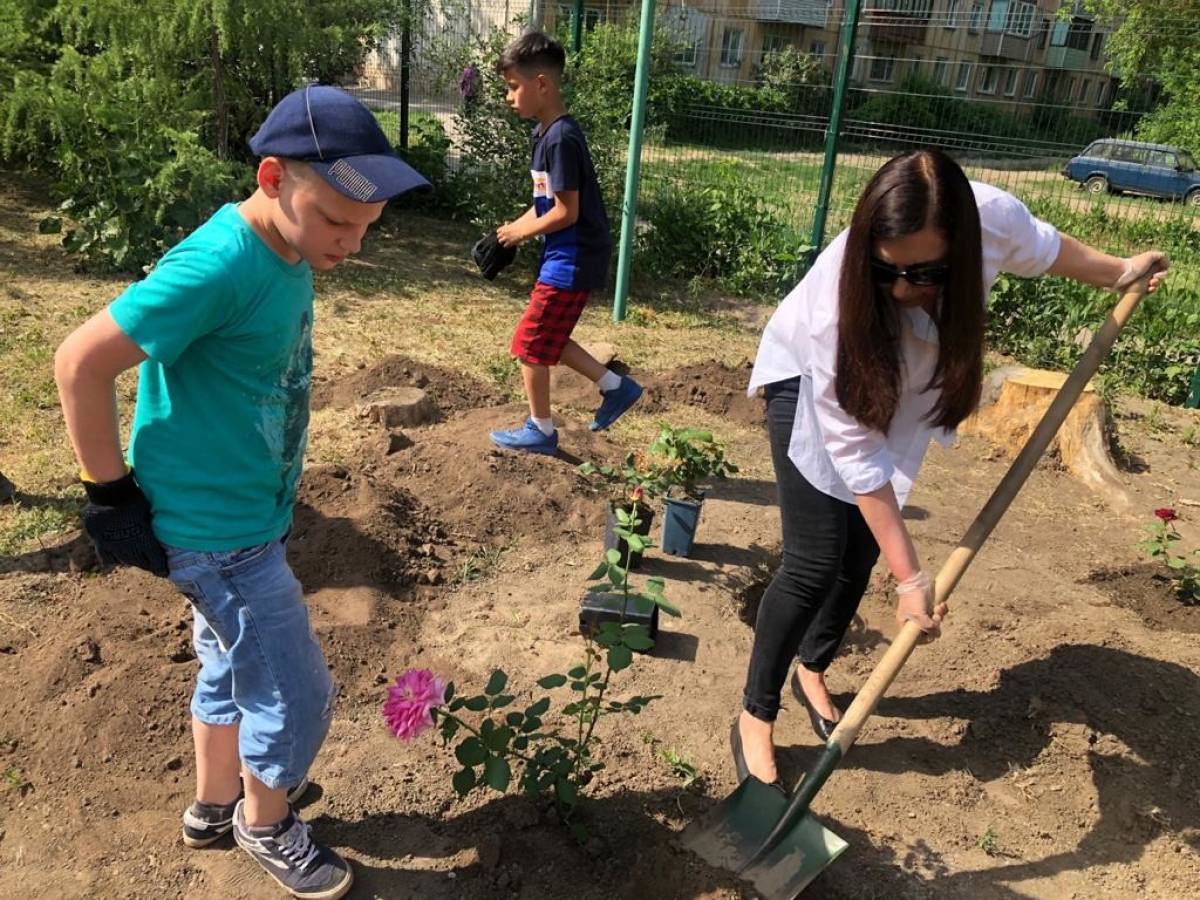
[{"x": 297, "y": 846}]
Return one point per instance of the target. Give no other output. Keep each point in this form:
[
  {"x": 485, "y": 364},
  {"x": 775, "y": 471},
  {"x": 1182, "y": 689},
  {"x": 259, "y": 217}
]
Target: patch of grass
[
  {"x": 481, "y": 563},
  {"x": 989, "y": 842},
  {"x": 21, "y": 524},
  {"x": 680, "y": 765},
  {"x": 14, "y": 780}
]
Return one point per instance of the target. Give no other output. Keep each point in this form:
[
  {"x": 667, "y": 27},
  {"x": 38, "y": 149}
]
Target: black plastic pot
[
  {"x": 611, "y": 541},
  {"x": 680, "y": 520},
  {"x": 597, "y": 608}
]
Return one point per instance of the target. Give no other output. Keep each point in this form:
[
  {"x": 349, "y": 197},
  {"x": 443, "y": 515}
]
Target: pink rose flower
[{"x": 408, "y": 708}]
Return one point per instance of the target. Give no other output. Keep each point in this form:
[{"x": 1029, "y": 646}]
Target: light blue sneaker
[
  {"x": 616, "y": 402},
  {"x": 528, "y": 438}
]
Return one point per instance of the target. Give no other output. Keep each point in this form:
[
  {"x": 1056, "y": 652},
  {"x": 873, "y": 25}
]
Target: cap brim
[{"x": 371, "y": 178}]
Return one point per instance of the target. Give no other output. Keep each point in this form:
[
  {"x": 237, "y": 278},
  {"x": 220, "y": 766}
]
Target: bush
[{"x": 720, "y": 231}]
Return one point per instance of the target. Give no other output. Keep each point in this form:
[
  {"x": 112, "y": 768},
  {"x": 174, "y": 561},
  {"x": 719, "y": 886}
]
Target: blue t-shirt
[
  {"x": 221, "y": 423},
  {"x": 575, "y": 258}
]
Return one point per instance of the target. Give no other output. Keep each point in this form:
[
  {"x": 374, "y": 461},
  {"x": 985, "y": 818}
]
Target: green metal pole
[
  {"x": 641, "y": 81},
  {"x": 577, "y": 26},
  {"x": 841, "y": 76}
]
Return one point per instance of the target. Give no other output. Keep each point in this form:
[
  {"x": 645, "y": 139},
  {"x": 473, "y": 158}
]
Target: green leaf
[
  {"x": 497, "y": 774},
  {"x": 654, "y": 586},
  {"x": 616, "y": 575},
  {"x": 612, "y": 556},
  {"x": 623, "y": 517},
  {"x": 449, "y": 729},
  {"x": 532, "y": 724},
  {"x": 552, "y": 681},
  {"x": 566, "y": 792},
  {"x": 496, "y": 683},
  {"x": 50, "y": 225},
  {"x": 470, "y": 752},
  {"x": 514, "y": 719},
  {"x": 449, "y": 695},
  {"x": 497, "y": 740},
  {"x": 599, "y": 571},
  {"x": 463, "y": 781},
  {"x": 577, "y": 672},
  {"x": 520, "y": 743},
  {"x": 538, "y": 708},
  {"x": 476, "y": 704},
  {"x": 619, "y": 658},
  {"x": 457, "y": 703},
  {"x": 668, "y": 608},
  {"x": 502, "y": 700},
  {"x": 637, "y": 637},
  {"x": 636, "y": 543}
]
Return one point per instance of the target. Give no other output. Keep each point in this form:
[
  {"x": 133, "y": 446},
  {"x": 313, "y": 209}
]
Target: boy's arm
[
  {"x": 117, "y": 517},
  {"x": 86, "y": 367},
  {"x": 563, "y": 214}
]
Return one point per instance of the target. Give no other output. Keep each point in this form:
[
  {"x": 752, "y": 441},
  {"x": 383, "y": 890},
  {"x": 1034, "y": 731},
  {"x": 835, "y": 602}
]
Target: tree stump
[
  {"x": 569, "y": 387},
  {"x": 395, "y": 407},
  {"x": 1014, "y": 401}
]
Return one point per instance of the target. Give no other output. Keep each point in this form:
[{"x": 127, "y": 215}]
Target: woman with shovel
[{"x": 877, "y": 351}]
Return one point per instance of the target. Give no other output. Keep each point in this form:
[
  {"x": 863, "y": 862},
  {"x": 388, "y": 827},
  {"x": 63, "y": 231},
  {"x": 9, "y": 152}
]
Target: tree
[{"x": 1159, "y": 41}]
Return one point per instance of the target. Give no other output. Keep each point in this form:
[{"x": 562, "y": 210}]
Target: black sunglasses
[{"x": 922, "y": 275}]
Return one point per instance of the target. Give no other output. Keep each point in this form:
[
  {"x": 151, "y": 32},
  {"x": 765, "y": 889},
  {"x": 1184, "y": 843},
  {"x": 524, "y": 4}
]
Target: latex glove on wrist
[
  {"x": 1136, "y": 267},
  {"x": 117, "y": 520},
  {"x": 915, "y": 603}
]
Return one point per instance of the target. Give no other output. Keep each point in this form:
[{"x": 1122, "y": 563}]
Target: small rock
[
  {"x": 182, "y": 652},
  {"x": 88, "y": 651},
  {"x": 76, "y": 762},
  {"x": 174, "y": 764}
]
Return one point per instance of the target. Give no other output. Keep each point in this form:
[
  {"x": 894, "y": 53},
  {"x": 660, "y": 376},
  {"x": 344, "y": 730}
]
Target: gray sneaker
[
  {"x": 207, "y": 823},
  {"x": 288, "y": 854}
]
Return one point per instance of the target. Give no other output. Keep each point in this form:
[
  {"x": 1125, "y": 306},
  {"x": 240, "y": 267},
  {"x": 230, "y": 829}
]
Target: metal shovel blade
[{"x": 732, "y": 833}]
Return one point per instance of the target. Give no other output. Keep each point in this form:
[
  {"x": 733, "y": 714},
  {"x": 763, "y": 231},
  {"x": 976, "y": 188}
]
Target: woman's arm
[{"x": 1078, "y": 261}]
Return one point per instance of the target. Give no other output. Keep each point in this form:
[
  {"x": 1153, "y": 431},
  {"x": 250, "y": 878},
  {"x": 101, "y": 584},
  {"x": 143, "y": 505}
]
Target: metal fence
[{"x": 1012, "y": 88}]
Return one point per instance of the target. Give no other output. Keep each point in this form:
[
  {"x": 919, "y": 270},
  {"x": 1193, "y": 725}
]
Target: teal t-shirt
[{"x": 221, "y": 423}]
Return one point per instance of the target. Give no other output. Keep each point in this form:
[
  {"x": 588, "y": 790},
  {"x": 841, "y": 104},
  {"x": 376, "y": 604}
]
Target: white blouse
[{"x": 834, "y": 451}]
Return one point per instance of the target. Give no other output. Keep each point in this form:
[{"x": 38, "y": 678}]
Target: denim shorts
[{"x": 260, "y": 664}]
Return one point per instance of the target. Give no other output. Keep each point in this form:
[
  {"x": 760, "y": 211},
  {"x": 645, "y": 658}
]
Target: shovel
[{"x": 771, "y": 839}]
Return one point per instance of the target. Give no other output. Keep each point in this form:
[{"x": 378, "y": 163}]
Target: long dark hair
[{"x": 924, "y": 187}]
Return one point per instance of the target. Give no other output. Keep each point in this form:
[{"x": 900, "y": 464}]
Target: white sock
[
  {"x": 609, "y": 380},
  {"x": 545, "y": 426}
]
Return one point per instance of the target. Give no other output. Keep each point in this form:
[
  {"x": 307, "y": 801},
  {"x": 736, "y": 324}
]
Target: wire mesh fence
[{"x": 1016, "y": 90}]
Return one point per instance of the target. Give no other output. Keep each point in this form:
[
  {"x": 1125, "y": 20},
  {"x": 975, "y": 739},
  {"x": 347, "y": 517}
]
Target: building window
[
  {"x": 1069, "y": 94},
  {"x": 774, "y": 42},
  {"x": 818, "y": 49},
  {"x": 1031, "y": 79},
  {"x": 914, "y": 65},
  {"x": 941, "y": 70},
  {"x": 882, "y": 68},
  {"x": 686, "y": 57},
  {"x": 1020, "y": 19},
  {"x": 1085, "y": 88},
  {"x": 997, "y": 15},
  {"x": 952, "y": 13},
  {"x": 1010, "y": 82},
  {"x": 976, "y": 22},
  {"x": 1097, "y": 44},
  {"x": 1043, "y": 33},
  {"x": 964, "y": 77},
  {"x": 990, "y": 77},
  {"x": 731, "y": 47}
]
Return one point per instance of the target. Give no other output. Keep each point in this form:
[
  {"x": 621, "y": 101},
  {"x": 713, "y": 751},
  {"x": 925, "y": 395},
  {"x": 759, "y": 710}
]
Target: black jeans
[{"x": 828, "y": 554}]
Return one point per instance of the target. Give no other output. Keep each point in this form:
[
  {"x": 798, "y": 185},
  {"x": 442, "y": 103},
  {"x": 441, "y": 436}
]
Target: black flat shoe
[
  {"x": 739, "y": 759},
  {"x": 821, "y": 726}
]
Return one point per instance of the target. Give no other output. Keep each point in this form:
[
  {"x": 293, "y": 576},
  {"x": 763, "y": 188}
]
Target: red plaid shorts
[{"x": 546, "y": 327}]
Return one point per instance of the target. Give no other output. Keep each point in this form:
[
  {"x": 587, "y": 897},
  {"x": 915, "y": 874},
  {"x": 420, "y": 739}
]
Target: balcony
[
  {"x": 896, "y": 27},
  {"x": 813, "y": 13},
  {"x": 1006, "y": 46},
  {"x": 1069, "y": 58}
]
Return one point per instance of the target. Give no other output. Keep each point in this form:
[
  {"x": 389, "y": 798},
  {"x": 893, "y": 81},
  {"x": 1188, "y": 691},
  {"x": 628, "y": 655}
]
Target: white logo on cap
[{"x": 356, "y": 184}]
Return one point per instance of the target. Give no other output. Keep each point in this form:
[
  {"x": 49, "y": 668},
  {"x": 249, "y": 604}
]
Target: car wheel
[
  {"x": 1193, "y": 198},
  {"x": 1097, "y": 184}
]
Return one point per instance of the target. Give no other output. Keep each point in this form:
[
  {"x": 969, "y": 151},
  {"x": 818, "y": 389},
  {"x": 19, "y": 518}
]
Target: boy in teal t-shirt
[{"x": 222, "y": 328}]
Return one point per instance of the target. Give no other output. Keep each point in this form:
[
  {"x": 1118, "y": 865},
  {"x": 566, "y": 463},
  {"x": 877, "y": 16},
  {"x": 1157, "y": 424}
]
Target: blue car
[{"x": 1134, "y": 167}]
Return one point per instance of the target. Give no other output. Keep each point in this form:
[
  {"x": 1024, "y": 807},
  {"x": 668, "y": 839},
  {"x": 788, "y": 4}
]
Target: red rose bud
[{"x": 1166, "y": 514}]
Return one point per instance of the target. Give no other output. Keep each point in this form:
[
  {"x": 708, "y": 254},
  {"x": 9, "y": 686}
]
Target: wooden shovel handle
[{"x": 894, "y": 659}]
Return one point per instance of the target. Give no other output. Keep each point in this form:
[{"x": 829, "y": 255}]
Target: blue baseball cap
[{"x": 339, "y": 138}]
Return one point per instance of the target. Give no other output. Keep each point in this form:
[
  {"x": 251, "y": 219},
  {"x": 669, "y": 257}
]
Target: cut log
[
  {"x": 395, "y": 407},
  {"x": 1014, "y": 401},
  {"x": 569, "y": 387}
]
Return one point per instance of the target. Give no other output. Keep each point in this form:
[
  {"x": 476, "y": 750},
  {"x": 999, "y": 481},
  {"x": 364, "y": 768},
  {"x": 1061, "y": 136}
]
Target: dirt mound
[
  {"x": 452, "y": 391},
  {"x": 1147, "y": 591},
  {"x": 713, "y": 386},
  {"x": 353, "y": 530},
  {"x": 492, "y": 497}
]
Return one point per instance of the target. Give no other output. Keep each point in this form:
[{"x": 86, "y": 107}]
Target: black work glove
[
  {"x": 491, "y": 256},
  {"x": 117, "y": 519}
]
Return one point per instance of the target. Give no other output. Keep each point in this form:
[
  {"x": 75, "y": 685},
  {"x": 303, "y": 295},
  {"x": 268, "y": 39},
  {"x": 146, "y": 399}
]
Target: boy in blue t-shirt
[
  {"x": 222, "y": 328},
  {"x": 568, "y": 210}
]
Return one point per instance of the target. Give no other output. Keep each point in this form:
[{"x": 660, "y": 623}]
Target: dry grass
[{"x": 414, "y": 291}]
